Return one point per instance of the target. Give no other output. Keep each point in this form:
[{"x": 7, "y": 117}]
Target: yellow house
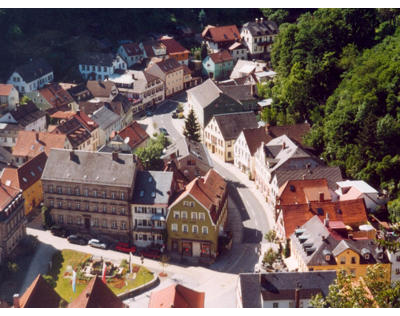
[
  {"x": 27, "y": 178},
  {"x": 315, "y": 247}
]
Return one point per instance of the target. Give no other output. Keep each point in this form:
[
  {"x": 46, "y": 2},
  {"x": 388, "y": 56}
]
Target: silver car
[{"x": 97, "y": 244}]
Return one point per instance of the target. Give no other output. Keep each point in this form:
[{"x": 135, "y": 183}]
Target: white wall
[
  {"x": 24, "y": 87},
  {"x": 286, "y": 303}
]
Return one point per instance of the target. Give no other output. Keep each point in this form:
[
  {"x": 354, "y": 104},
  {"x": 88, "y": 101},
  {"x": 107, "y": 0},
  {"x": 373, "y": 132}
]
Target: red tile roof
[
  {"x": 40, "y": 295},
  {"x": 30, "y": 143},
  {"x": 62, "y": 115},
  {"x": 173, "y": 46},
  {"x": 27, "y": 174},
  {"x": 254, "y": 137},
  {"x": 303, "y": 191},
  {"x": 177, "y": 296},
  {"x": 209, "y": 190},
  {"x": 352, "y": 213},
  {"x": 7, "y": 194},
  {"x": 135, "y": 133},
  {"x": 97, "y": 295},
  {"x": 5, "y": 89},
  {"x": 86, "y": 121},
  {"x": 56, "y": 95},
  {"x": 221, "y": 57},
  {"x": 222, "y": 33}
]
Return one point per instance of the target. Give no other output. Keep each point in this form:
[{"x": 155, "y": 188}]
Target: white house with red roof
[{"x": 9, "y": 97}]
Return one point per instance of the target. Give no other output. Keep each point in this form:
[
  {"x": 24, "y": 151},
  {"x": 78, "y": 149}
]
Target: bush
[
  {"x": 287, "y": 249},
  {"x": 49, "y": 279},
  {"x": 46, "y": 218},
  {"x": 271, "y": 236},
  {"x": 124, "y": 264},
  {"x": 270, "y": 257}
]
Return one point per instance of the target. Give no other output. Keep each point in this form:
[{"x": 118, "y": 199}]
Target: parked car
[
  {"x": 58, "y": 231},
  {"x": 149, "y": 113},
  {"x": 124, "y": 247},
  {"x": 163, "y": 131},
  {"x": 97, "y": 244},
  {"x": 151, "y": 253},
  {"x": 75, "y": 239}
]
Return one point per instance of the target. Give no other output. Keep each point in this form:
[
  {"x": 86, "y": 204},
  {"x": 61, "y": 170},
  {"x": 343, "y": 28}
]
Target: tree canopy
[{"x": 150, "y": 156}]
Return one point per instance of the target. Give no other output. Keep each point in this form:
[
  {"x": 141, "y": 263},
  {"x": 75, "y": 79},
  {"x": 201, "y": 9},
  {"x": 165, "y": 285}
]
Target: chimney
[
  {"x": 37, "y": 137},
  {"x": 267, "y": 130},
  {"x": 321, "y": 196},
  {"x": 71, "y": 155},
  {"x": 115, "y": 156},
  {"x": 256, "y": 20},
  {"x": 283, "y": 145},
  {"x": 326, "y": 220},
  {"x": 16, "y": 300}
]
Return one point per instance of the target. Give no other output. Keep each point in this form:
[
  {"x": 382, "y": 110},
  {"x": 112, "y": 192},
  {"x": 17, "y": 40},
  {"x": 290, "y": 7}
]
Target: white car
[{"x": 97, "y": 244}]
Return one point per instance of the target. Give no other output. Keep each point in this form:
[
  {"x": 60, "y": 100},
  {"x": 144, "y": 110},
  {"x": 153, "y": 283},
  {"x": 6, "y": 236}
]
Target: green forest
[{"x": 339, "y": 69}]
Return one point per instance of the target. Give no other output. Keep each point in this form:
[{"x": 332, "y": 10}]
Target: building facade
[
  {"x": 198, "y": 217},
  {"x": 9, "y": 97},
  {"x": 99, "y": 66},
  {"x": 218, "y": 66},
  {"x": 92, "y": 192}
]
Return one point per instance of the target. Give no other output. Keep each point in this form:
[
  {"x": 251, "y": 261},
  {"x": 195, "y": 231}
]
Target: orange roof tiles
[
  {"x": 31, "y": 143},
  {"x": 83, "y": 118},
  {"x": 173, "y": 46},
  {"x": 221, "y": 57},
  {"x": 352, "y": 213},
  {"x": 56, "y": 95},
  {"x": 7, "y": 194},
  {"x": 5, "y": 89},
  {"x": 254, "y": 137},
  {"x": 136, "y": 134},
  {"x": 40, "y": 295},
  {"x": 303, "y": 191},
  {"x": 222, "y": 33},
  {"x": 177, "y": 296},
  {"x": 62, "y": 115},
  {"x": 97, "y": 295},
  {"x": 26, "y": 175}
]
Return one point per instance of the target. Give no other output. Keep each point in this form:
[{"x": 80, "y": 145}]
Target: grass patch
[{"x": 61, "y": 279}]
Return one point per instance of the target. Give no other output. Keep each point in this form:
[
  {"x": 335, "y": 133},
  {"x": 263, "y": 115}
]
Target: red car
[
  {"x": 124, "y": 247},
  {"x": 151, "y": 253}
]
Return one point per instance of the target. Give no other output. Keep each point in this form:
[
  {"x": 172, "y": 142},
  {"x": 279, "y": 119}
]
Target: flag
[
  {"x": 103, "y": 277},
  {"x": 130, "y": 262},
  {"x": 73, "y": 281}
]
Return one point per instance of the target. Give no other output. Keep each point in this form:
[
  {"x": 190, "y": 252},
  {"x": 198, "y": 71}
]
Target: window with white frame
[
  {"x": 114, "y": 224},
  {"x": 174, "y": 227},
  {"x": 185, "y": 228},
  {"x": 194, "y": 216},
  {"x": 123, "y": 225},
  {"x": 202, "y": 216},
  {"x": 184, "y": 215},
  {"x": 195, "y": 229},
  {"x": 176, "y": 214},
  {"x": 204, "y": 230},
  {"x": 104, "y": 223}
]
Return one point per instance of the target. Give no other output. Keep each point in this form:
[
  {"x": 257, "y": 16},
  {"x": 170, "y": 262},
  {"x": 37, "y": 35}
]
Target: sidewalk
[{"x": 244, "y": 179}]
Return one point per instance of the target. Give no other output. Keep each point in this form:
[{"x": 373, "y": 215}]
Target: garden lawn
[{"x": 63, "y": 279}]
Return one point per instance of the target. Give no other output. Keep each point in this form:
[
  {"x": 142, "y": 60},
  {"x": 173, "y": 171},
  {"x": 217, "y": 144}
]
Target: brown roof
[
  {"x": 27, "y": 113},
  {"x": 5, "y": 89},
  {"x": 40, "y": 295},
  {"x": 97, "y": 295},
  {"x": 352, "y": 213},
  {"x": 56, "y": 95},
  {"x": 173, "y": 46},
  {"x": 136, "y": 134},
  {"x": 303, "y": 191},
  {"x": 90, "y": 107},
  {"x": 148, "y": 47},
  {"x": 221, "y": 57},
  {"x": 295, "y": 132},
  {"x": 254, "y": 137},
  {"x": 75, "y": 130},
  {"x": 169, "y": 65},
  {"x": 26, "y": 175},
  {"x": 30, "y": 143},
  {"x": 86, "y": 121},
  {"x": 222, "y": 33},
  {"x": 132, "y": 49},
  {"x": 100, "y": 89},
  {"x": 62, "y": 115},
  {"x": 177, "y": 296}
]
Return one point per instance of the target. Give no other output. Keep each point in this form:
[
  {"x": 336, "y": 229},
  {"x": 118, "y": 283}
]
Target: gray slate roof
[
  {"x": 89, "y": 167},
  {"x": 100, "y": 59},
  {"x": 155, "y": 186},
  {"x": 282, "y": 285},
  {"x": 205, "y": 93},
  {"x": 105, "y": 117},
  {"x": 34, "y": 70},
  {"x": 261, "y": 28},
  {"x": 232, "y": 124}
]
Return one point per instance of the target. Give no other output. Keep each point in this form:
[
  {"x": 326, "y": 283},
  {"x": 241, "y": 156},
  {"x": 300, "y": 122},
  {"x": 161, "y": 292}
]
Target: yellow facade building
[
  {"x": 27, "y": 178},
  {"x": 316, "y": 247}
]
